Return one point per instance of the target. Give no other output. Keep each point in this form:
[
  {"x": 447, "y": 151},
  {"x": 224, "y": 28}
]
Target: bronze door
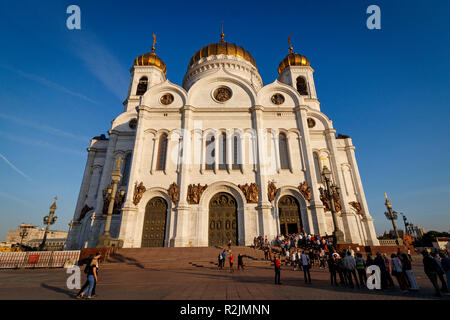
[
  {"x": 290, "y": 220},
  {"x": 222, "y": 220},
  {"x": 154, "y": 223}
]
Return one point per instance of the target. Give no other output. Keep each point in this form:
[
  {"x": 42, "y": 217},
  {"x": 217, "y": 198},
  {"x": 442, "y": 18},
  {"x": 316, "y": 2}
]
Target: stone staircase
[{"x": 176, "y": 258}]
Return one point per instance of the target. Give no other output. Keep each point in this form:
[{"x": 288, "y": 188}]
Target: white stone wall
[{"x": 188, "y": 121}]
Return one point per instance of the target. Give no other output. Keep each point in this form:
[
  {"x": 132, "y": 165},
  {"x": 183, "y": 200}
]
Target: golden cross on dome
[
  {"x": 154, "y": 42},
  {"x": 290, "y": 46},
  {"x": 119, "y": 161},
  {"x": 222, "y": 35}
]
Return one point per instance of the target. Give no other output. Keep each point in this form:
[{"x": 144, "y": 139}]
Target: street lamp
[
  {"x": 105, "y": 240},
  {"x": 48, "y": 221},
  {"x": 392, "y": 215},
  {"x": 329, "y": 192},
  {"x": 23, "y": 233}
]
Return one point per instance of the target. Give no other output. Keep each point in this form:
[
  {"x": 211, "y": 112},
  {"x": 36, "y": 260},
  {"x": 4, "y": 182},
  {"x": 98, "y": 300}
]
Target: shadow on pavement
[{"x": 59, "y": 290}]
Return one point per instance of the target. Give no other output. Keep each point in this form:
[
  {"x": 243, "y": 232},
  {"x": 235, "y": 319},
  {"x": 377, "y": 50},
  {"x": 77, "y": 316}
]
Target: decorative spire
[
  {"x": 222, "y": 35},
  {"x": 154, "y": 43},
  {"x": 290, "y": 46},
  {"x": 385, "y": 195},
  {"x": 53, "y": 206}
]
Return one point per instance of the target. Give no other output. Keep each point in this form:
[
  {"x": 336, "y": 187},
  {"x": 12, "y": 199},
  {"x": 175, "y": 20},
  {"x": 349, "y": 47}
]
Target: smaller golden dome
[
  {"x": 292, "y": 59},
  {"x": 151, "y": 59}
]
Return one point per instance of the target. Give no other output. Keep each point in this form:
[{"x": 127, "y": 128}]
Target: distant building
[
  {"x": 442, "y": 243},
  {"x": 30, "y": 235}
]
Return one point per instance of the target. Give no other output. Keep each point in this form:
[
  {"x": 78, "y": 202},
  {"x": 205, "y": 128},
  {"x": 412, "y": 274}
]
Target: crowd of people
[{"x": 349, "y": 269}]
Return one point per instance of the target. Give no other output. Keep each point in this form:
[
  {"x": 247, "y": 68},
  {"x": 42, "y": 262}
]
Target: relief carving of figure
[
  {"x": 250, "y": 192},
  {"x": 118, "y": 202},
  {"x": 173, "y": 192},
  {"x": 357, "y": 206},
  {"x": 195, "y": 192},
  {"x": 138, "y": 192},
  {"x": 305, "y": 190},
  {"x": 271, "y": 191},
  {"x": 337, "y": 202},
  {"x": 325, "y": 202}
]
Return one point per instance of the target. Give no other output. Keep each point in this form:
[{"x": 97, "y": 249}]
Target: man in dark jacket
[
  {"x": 379, "y": 261},
  {"x": 332, "y": 268},
  {"x": 431, "y": 269}
]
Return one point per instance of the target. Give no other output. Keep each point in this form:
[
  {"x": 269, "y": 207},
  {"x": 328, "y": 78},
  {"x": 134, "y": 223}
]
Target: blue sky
[{"x": 388, "y": 89}]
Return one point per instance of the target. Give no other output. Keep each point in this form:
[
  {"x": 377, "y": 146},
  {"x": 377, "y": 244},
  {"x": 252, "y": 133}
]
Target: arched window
[
  {"x": 284, "y": 161},
  {"x": 317, "y": 167},
  {"x": 142, "y": 86},
  {"x": 236, "y": 153},
  {"x": 162, "y": 152},
  {"x": 126, "y": 170},
  {"x": 223, "y": 151},
  {"x": 210, "y": 153},
  {"x": 302, "y": 87}
]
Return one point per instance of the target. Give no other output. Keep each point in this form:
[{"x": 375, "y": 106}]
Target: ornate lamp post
[
  {"x": 329, "y": 192},
  {"x": 48, "y": 220},
  {"x": 23, "y": 233},
  {"x": 407, "y": 224},
  {"x": 392, "y": 215},
  {"x": 105, "y": 240}
]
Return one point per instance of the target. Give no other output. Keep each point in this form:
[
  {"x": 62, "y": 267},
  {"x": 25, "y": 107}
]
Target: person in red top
[
  {"x": 231, "y": 259},
  {"x": 277, "y": 265}
]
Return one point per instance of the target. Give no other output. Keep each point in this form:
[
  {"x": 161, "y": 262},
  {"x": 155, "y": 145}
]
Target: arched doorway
[
  {"x": 222, "y": 220},
  {"x": 154, "y": 223},
  {"x": 290, "y": 220}
]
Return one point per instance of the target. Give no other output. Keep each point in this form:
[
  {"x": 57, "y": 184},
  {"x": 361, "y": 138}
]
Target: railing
[
  {"x": 38, "y": 259},
  {"x": 390, "y": 242}
]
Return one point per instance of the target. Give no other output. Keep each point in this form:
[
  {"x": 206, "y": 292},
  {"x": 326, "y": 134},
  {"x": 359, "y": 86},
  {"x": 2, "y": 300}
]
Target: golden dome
[
  {"x": 292, "y": 59},
  {"x": 151, "y": 59},
  {"x": 222, "y": 47}
]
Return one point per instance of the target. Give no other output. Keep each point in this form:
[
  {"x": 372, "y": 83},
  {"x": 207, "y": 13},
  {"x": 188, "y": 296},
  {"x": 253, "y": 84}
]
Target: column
[
  {"x": 348, "y": 219},
  {"x": 182, "y": 209},
  {"x": 129, "y": 210},
  {"x": 266, "y": 219},
  {"x": 367, "y": 220},
  {"x": 316, "y": 215}
]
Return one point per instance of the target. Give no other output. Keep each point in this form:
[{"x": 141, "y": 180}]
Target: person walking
[
  {"x": 361, "y": 268},
  {"x": 431, "y": 269},
  {"x": 220, "y": 261},
  {"x": 387, "y": 263},
  {"x": 322, "y": 259},
  {"x": 266, "y": 253},
  {"x": 397, "y": 271},
  {"x": 445, "y": 263},
  {"x": 306, "y": 266},
  {"x": 229, "y": 244},
  {"x": 231, "y": 260},
  {"x": 240, "y": 262},
  {"x": 350, "y": 266},
  {"x": 440, "y": 272},
  {"x": 293, "y": 260},
  {"x": 92, "y": 278},
  {"x": 407, "y": 266},
  {"x": 277, "y": 266},
  {"x": 332, "y": 266},
  {"x": 340, "y": 270}
]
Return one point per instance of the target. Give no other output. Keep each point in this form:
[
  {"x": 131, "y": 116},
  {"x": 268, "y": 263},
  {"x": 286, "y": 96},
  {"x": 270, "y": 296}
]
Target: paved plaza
[{"x": 197, "y": 282}]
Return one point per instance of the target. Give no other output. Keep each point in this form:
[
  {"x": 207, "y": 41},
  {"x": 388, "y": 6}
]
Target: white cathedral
[{"x": 221, "y": 158}]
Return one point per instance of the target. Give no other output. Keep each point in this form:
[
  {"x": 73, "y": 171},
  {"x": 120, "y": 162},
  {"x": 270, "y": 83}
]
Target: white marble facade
[{"x": 188, "y": 121}]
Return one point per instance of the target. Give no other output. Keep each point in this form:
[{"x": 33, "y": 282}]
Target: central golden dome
[{"x": 222, "y": 47}]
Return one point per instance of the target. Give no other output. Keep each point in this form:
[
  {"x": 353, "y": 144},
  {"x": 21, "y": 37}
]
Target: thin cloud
[
  {"x": 42, "y": 127},
  {"x": 38, "y": 143},
  {"x": 15, "y": 168},
  {"x": 48, "y": 83},
  {"x": 103, "y": 65},
  {"x": 6, "y": 195}
]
